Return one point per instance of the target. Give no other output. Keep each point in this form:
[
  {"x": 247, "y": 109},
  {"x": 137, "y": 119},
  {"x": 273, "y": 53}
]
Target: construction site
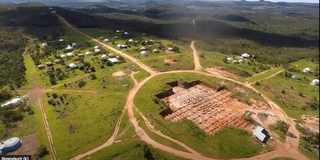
[{"x": 210, "y": 109}]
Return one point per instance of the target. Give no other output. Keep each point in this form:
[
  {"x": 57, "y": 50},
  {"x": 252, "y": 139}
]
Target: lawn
[
  {"x": 141, "y": 75},
  {"x": 183, "y": 62},
  {"x": 295, "y": 96},
  {"x": 263, "y": 75},
  {"x": 80, "y": 122},
  {"x": 217, "y": 146},
  {"x": 210, "y": 59},
  {"x": 134, "y": 150},
  {"x": 30, "y": 72}
]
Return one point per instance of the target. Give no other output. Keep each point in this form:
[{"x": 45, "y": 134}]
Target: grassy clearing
[
  {"x": 30, "y": 72},
  {"x": 141, "y": 75},
  {"x": 216, "y": 146},
  {"x": 133, "y": 150},
  {"x": 280, "y": 128},
  {"x": 183, "y": 62},
  {"x": 73, "y": 120},
  {"x": 41, "y": 131},
  {"x": 264, "y": 75},
  {"x": 156, "y": 137},
  {"x": 210, "y": 59},
  {"x": 295, "y": 96}
]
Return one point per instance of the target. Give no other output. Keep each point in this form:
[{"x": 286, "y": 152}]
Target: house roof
[
  {"x": 97, "y": 50},
  {"x": 69, "y": 54},
  {"x": 246, "y": 55},
  {"x": 72, "y": 65},
  {"x": 113, "y": 60},
  {"x": 96, "y": 47},
  {"x": 104, "y": 56},
  {"x": 261, "y": 134},
  {"x": 87, "y": 53},
  {"x": 10, "y": 142}
]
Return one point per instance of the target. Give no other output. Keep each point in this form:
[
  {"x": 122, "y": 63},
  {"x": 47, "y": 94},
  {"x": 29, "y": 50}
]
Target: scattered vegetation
[{"x": 280, "y": 128}]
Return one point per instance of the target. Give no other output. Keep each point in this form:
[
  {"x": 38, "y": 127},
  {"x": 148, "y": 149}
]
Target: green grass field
[
  {"x": 30, "y": 72},
  {"x": 74, "y": 120},
  {"x": 183, "y": 62},
  {"x": 264, "y": 75},
  {"x": 295, "y": 96},
  {"x": 136, "y": 150},
  {"x": 141, "y": 75},
  {"x": 216, "y": 146}
]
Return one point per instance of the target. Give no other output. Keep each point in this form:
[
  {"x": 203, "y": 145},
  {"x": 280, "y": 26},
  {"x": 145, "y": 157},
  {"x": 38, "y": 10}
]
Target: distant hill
[
  {"x": 98, "y": 8},
  {"x": 166, "y": 11}
]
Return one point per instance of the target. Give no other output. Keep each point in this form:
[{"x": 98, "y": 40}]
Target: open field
[
  {"x": 295, "y": 96},
  {"x": 186, "y": 131},
  {"x": 73, "y": 117},
  {"x": 131, "y": 150},
  {"x": 182, "y": 62},
  {"x": 263, "y": 75}
]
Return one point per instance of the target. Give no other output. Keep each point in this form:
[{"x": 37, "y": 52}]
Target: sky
[{"x": 307, "y": 1}]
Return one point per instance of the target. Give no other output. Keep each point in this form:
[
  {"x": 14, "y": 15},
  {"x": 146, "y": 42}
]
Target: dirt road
[
  {"x": 268, "y": 76},
  {"x": 288, "y": 149},
  {"x": 196, "y": 61}
]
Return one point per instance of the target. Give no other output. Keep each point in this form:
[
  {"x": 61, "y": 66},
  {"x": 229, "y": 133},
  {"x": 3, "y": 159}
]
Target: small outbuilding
[
  {"x": 115, "y": 37},
  {"x": 241, "y": 61},
  {"x": 315, "y": 82},
  {"x": 57, "y": 61},
  {"x": 49, "y": 64},
  {"x": 130, "y": 40},
  {"x": 144, "y": 53},
  {"x": 69, "y": 54},
  {"x": 171, "y": 49},
  {"x": 143, "y": 49},
  {"x": 126, "y": 33},
  {"x": 229, "y": 59},
  {"x": 113, "y": 60},
  {"x": 111, "y": 55},
  {"x": 156, "y": 51},
  {"x": 294, "y": 77},
  {"x": 97, "y": 50},
  {"x": 73, "y": 66},
  {"x": 10, "y": 145},
  {"x": 74, "y": 44},
  {"x": 245, "y": 55},
  {"x": 61, "y": 40},
  {"x": 96, "y": 47},
  {"x": 106, "y": 40},
  {"x": 261, "y": 134},
  {"x": 41, "y": 66},
  {"x": 307, "y": 70},
  {"x": 80, "y": 55},
  {"x": 44, "y": 45},
  {"x": 69, "y": 47},
  {"x": 104, "y": 57},
  {"x": 63, "y": 56},
  {"x": 13, "y": 103}
]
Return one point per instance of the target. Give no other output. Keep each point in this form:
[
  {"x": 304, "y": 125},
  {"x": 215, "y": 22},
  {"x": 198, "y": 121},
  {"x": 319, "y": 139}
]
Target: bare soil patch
[
  {"x": 30, "y": 144},
  {"x": 118, "y": 74},
  {"x": 311, "y": 122},
  {"x": 208, "y": 108},
  {"x": 170, "y": 61},
  {"x": 223, "y": 72}
]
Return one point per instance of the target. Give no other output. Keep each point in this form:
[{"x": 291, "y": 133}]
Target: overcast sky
[{"x": 308, "y": 1}]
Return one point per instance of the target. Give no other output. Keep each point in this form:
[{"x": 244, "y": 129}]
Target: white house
[
  {"x": 229, "y": 59},
  {"x": 74, "y": 45},
  {"x": 69, "y": 47},
  {"x": 123, "y": 46},
  {"x": 143, "y": 49},
  {"x": 118, "y": 31},
  {"x": 87, "y": 53},
  {"x": 41, "y": 66},
  {"x": 96, "y": 47},
  {"x": 130, "y": 40},
  {"x": 241, "y": 61},
  {"x": 170, "y": 49},
  {"x": 294, "y": 77},
  {"x": 245, "y": 55},
  {"x": 113, "y": 60},
  {"x": 73, "y": 66},
  {"x": 155, "y": 51},
  {"x": 307, "y": 70},
  {"x": 106, "y": 40},
  {"x": 119, "y": 45},
  {"x": 116, "y": 37},
  {"x": 62, "y": 56},
  {"x": 61, "y": 40},
  {"x": 315, "y": 82},
  {"x": 143, "y": 53},
  {"x": 44, "y": 44},
  {"x": 126, "y": 33},
  {"x": 69, "y": 54},
  {"x": 97, "y": 50},
  {"x": 261, "y": 134},
  {"x": 14, "y": 102},
  {"x": 104, "y": 57}
]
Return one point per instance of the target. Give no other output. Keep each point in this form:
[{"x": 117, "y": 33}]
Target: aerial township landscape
[{"x": 151, "y": 79}]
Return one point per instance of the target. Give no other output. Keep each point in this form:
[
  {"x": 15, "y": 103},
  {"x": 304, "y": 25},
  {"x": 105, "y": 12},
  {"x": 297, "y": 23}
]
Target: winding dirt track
[{"x": 288, "y": 149}]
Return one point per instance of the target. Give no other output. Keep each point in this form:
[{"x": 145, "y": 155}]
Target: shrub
[
  {"x": 93, "y": 76},
  {"x": 42, "y": 151}
]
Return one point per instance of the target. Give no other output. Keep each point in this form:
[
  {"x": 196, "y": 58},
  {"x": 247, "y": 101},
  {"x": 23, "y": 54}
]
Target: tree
[
  {"x": 93, "y": 76},
  {"x": 108, "y": 63},
  {"x": 175, "y": 49},
  {"x": 42, "y": 151},
  {"x": 81, "y": 84}
]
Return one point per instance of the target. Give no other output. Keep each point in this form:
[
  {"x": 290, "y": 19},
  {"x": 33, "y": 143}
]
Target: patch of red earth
[
  {"x": 223, "y": 72},
  {"x": 168, "y": 52},
  {"x": 170, "y": 61}
]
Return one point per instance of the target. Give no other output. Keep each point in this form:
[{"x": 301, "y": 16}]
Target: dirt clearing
[
  {"x": 170, "y": 61},
  {"x": 29, "y": 146},
  {"x": 223, "y": 72},
  {"x": 118, "y": 74}
]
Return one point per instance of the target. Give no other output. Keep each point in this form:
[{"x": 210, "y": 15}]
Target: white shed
[
  {"x": 104, "y": 57},
  {"x": 61, "y": 40},
  {"x": 126, "y": 33},
  {"x": 69, "y": 47},
  {"x": 44, "y": 45},
  {"x": 74, "y": 44},
  {"x": 111, "y": 55},
  {"x": 96, "y": 47},
  {"x": 97, "y": 50},
  {"x": 87, "y": 53},
  {"x": 294, "y": 77},
  {"x": 315, "y": 82},
  {"x": 106, "y": 40},
  {"x": 245, "y": 55},
  {"x": 113, "y": 60},
  {"x": 62, "y": 56},
  {"x": 241, "y": 61},
  {"x": 73, "y": 66},
  {"x": 170, "y": 49},
  {"x": 143, "y": 53},
  {"x": 69, "y": 54},
  {"x": 307, "y": 70},
  {"x": 261, "y": 134},
  {"x": 130, "y": 40},
  {"x": 229, "y": 59}
]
